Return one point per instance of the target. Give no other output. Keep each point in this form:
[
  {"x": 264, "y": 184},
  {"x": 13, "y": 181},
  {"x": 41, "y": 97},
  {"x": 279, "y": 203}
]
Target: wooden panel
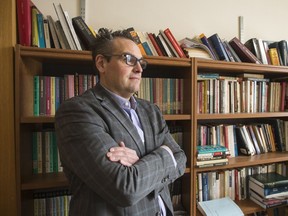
[{"x": 7, "y": 147}]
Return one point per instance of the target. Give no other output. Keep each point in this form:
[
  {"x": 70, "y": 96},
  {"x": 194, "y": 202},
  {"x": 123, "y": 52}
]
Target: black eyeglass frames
[{"x": 131, "y": 60}]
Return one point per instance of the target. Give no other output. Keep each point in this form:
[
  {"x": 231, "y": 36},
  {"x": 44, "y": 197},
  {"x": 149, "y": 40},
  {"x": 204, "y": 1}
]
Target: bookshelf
[
  {"x": 31, "y": 61},
  {"x": 234, "y": 69}
]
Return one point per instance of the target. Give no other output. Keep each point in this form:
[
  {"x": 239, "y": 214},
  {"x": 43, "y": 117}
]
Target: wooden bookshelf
[
  {"x": 31, "y": 61},
  {"x": 235, "y": 69}
]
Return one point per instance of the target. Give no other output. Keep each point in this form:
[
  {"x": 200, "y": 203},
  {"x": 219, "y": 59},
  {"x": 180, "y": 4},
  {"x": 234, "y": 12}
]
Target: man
[{"x": 116, "y": 150}]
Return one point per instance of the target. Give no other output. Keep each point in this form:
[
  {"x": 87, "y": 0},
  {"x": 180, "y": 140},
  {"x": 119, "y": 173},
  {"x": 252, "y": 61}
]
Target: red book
[
  {"x": 24, "y": 22},
  {"x": 155, "y": 44},
  {"x": 174, "y": 43}
]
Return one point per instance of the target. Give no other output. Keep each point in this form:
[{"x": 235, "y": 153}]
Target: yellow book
[
  {"x": 35, "y": 36},
  {"x": 52, "y": 95},
  {"x": 274, "y": 56}
]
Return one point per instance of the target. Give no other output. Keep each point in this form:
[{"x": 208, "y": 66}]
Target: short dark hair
[{"x": 103, "y": 42}]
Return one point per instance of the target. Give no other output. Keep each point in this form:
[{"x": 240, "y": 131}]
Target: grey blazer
[{"x": 87, "y": 127}]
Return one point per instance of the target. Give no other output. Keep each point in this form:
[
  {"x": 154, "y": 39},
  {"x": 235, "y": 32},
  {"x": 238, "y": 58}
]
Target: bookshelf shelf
[
  {"x": 241, "y": 115},
  {"x": 44, "y": 181}
]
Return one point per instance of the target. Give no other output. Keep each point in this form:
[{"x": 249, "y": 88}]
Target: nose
[{"x": 138, "y": 68}]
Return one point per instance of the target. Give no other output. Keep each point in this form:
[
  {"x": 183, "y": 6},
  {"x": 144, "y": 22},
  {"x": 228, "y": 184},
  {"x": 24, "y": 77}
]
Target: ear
[{"x": 100, "y": 62}]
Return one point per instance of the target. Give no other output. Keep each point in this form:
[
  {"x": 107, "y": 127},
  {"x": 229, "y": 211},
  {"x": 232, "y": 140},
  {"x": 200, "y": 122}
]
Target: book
[
  {"x": 274, "y": 56},
  {"x": 144, "y": 43},
  {"x": 218, "y": 46},
  {"x": 266, "y": 202},
  {"x": 214, "y": 162},
  {"x": 164, "y": 45},
  {"x": 211, "y": 149},
  {"x": 206, "y": 42},
  {"x": 169, "y": 44},
  {"x": 46, "y": 33},
  {"x": 252, "y": 45},
  {"x": 155, "y": 44},
  {"x": 243, "y": 52},
  {"x": 223, "y": 206},
  {"x": 174, "y": 43},
  {"x": 136, "y": 39},
  {"x": 268, "y": 193},
  {"x": 72, "y": 31},
  {"x": 84, "y": 33},
  {"x": 283, "y": 49},
  {"x": 195, "y": 49},
  {"x": 53, "y": 33},
  {"x": 34, "y": 27},
  {"x": 66, "y": 29},
  {"x": 61, "y": 36},
  {"x": 269, "y": 180},
  {"x": 231, "y": 50},
  {"x": 41, "y": 36},
  {"x": 24, "y": 22}
]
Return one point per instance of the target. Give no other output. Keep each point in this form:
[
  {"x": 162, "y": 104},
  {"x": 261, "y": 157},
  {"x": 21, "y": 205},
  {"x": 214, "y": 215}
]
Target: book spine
[
  {"x": 174, "y": 43},
  {"x": 41, "y": 36},
  {"x": 217, "y": 43},
  {"x": 52, "y": 27},
  {"x": 24, "y": 22},
  {"x": 83, "y": 32},
  {"x": 36, "y": 96},
  {"x": 46, "y": 33},
  {"x": 34, "y": 24},
  {"x": 206, "y": 42},
  {"x": 155, "y": 44}
]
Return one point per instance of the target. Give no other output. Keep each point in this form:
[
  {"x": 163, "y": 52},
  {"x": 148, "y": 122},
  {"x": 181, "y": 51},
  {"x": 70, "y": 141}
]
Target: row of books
[
  {"x": 50, "y": 91},
  {"x": 167, "y": 93},
  {"x": 39, "y": 30},
  {"x": 254, "y": 50},
  {"x": 45, "y": 154},
  {"x": 233, "y": 182},
  {"x": 249, "y": 139},
  {"x": 212, "y": 155},
  {"x": 268, "y": 189},
  {"x": 162, "y": 44},
  {"x": 51, "y": 203},
  {"x": 229, "y": 94}
]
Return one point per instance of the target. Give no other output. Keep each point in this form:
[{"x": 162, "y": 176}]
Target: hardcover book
[
  {"x": 174, "y": 43},
  {"x": 218, "y": 45},
  {"x": 274, "y": 192},
  {"x": 24, "y": 22},
  {"x": 243, "y": 52},
  {"x": 269, "y": 180},
  {"x": 83, "y": 32}
]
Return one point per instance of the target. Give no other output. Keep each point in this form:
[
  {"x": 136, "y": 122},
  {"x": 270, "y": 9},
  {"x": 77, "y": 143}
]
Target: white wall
[{"x": 186, "y": 18}]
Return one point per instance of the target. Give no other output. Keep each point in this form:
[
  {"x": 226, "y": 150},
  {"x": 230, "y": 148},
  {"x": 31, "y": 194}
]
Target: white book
[
  {"x": 169, "y": 44},
  {"x": 72, "y": 31},
  {"x": 60, "y": 14},
  {"x": 165, "y": 45},
  {"x": 150, "y": 44},
  {"x": 223, "y": 206}
]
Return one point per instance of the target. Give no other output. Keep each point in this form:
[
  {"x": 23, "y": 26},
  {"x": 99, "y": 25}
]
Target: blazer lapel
[{"x": 109, "y": 104}]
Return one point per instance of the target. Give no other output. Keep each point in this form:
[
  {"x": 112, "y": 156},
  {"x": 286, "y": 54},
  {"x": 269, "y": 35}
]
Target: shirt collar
[{"x": 123, "y": 102}]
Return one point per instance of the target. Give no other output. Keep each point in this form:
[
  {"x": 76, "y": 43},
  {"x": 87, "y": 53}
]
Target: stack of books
[
  {"x": 212, "y": 155},
  {"x": 268, "y": 189}
]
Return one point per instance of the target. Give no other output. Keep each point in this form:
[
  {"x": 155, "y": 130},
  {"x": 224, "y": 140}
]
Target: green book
[
  {"x": 36, "y": 96},
  {"x": 269, "y": 180}
]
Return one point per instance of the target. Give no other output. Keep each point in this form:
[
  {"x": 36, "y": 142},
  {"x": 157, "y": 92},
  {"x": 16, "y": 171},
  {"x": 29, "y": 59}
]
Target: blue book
[
  {"x": 219, "y": 47},
  {"x": 269, "y": 180},
  {"x": 41, "y": 36}
]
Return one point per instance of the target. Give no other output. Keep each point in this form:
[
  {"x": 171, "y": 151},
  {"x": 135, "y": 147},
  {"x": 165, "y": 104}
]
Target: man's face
[{"x": 116, "y": 75}]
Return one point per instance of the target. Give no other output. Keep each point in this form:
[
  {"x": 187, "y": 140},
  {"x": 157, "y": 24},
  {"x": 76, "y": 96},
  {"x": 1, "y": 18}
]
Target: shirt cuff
[{"x": 171, "y": 153}]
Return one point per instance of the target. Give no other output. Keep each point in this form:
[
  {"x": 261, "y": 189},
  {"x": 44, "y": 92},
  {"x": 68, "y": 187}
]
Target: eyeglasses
[{"x": 131, "y": 60}]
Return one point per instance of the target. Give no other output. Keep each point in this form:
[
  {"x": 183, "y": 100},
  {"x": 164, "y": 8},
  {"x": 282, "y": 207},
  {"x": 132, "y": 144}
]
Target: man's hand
[{"x": 123, "y": 155}]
